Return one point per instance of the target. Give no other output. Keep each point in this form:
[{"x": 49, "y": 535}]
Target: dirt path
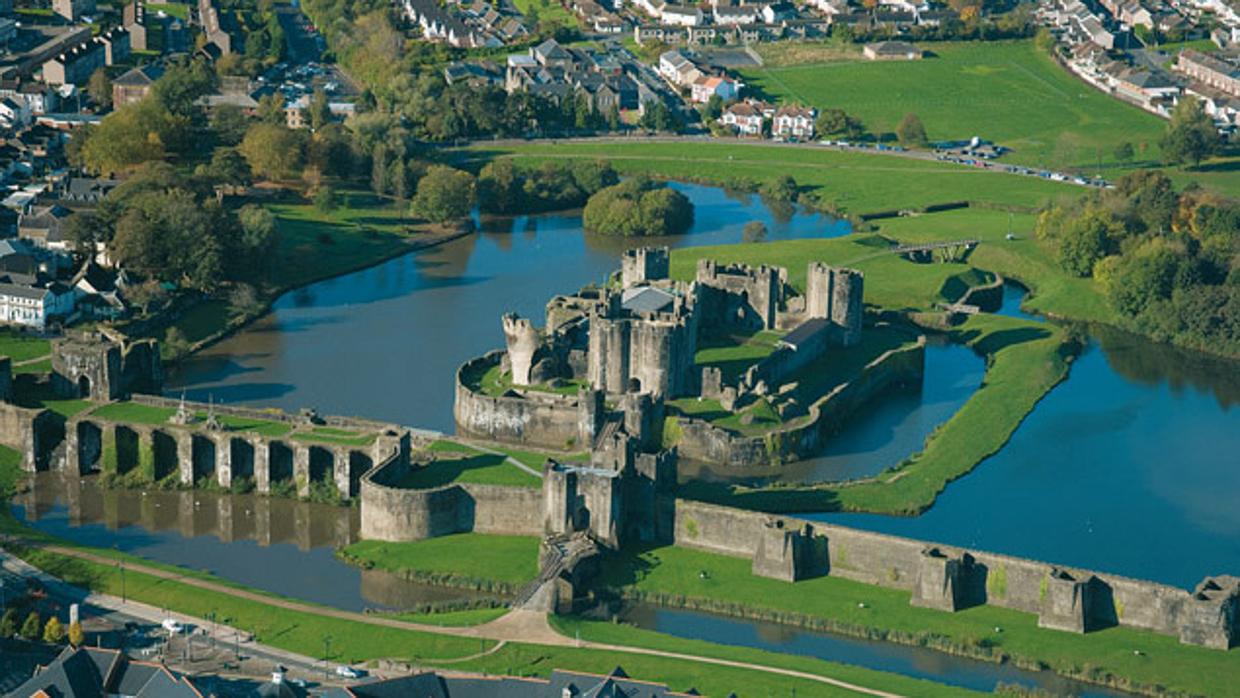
[{"x": 516, "y": 626}]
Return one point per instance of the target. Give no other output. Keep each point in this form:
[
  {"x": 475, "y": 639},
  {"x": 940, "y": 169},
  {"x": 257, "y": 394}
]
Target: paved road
[{"x": 517, "y": 626}]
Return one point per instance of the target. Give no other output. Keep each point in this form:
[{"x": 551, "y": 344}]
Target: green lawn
[
  {"x": 22, "y": 347},
  {"x": 263, "y": 427},
  {"x": 685, "y": 577},
  {"x": 459, "y": 463},
  {"x": 171, "y": 9},
  {"x": 854, "y": 183},
  {"x": 1008, "y": 92},
  {"x": 551, "y": 11},
  {"x": 194, "y": 325},
  {"x": 40, "y": 366},
  {"x": 338, "y": 437},
  {"x": 496, "y": 381},
  {"x": 135, "y": 413},
  {"x": 509, "y": 560},
  {"x": 315, "y": 245},
  {"x": 734, "y": 354}
]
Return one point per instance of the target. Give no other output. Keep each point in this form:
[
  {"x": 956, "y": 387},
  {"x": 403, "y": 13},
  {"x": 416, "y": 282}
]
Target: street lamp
[{"x": 327, "y": 652}]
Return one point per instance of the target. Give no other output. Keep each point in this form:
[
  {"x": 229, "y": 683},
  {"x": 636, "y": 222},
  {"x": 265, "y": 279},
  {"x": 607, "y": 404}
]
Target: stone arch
[
  {"x": 359, "y": 465},
  {"x": 202, "y": 455},
  {"x": 280, "y": 462},
  {"x": 89, "y": 446},
  {"x": 83, "y": 386},
  {"x": 322, "y": 464},
  {"x": 126, "y": 449},
  {"x": 241, "y": 455},
  {"x": 164, "y": 447}
]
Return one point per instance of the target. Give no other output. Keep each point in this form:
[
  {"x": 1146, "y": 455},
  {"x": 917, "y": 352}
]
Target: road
[{"x": 527, "y": 627}]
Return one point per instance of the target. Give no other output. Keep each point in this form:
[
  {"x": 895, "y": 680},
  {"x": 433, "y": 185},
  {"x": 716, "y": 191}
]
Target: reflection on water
[
  {"x": 917, "y": 662},
  {"x": 385, "y": 342},
  {"x": 1134, "y": 454},
  {"x": 277, "y": 545}
]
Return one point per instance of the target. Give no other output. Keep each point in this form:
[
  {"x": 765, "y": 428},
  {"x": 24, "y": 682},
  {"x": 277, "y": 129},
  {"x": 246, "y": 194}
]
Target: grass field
[
  {"x": 551, "y": 11},
  {"x": 1007, "y": 92},
  {"x": 862, "y": 609},
  {"x": 22, "y": 347},
  {"x": 135, "y": 413},
  {"x": 853, "y": 183},
  {"x": 459, "y": 463},
  {"x": 509, "y": 560}
]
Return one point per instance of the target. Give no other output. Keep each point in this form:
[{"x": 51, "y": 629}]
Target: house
[
  {"x": 1091, "y": 27},
  {"x": 734, "y": 15},
  {"x": 793, "y": 123},
  {"x": 101, "y": 290},
  {"x": 134, "y": 85},
  {"x": 14, "y": 114},
  {"x": 34, "y": 306},
  {"x": 1145, "y": 85},
  {"x": 676, "y": 67},
  {"x": 560, "y": 684},
  {"x": 116, "y": 45},
  {"x": 1218, "y": 73},
  {"x": 682, "y": 16},
  {"x": 475, "y": 73},
  {"x": 745, "y": 118},
  {"x": 88, "y": 189},
  {"x": 891, "y": 51},
  {"x": 8, "y": 31},
  {"x": 94, "y": 671},
  {"x": 73, "y": 10},
  {"x": 705, "y": 87},
  {"x": 778, "y": 12},
  {"x": 44, "y": 227},
  {"x": 76, "y": 64},
  {"x": 550, "y": 54}
]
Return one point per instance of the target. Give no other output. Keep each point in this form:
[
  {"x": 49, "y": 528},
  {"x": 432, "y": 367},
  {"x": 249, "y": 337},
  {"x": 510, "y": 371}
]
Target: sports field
[{"x": 1008, "y": 92}]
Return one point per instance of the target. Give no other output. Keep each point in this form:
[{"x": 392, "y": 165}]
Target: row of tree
[
  {"x": 1168, "y": 261},
  {"x": 505, "y": 188},
  {"x": 33, "y": 629}
]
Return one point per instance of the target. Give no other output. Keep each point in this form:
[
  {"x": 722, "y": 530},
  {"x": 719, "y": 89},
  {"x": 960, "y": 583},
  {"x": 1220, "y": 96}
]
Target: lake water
[
  {"x": 277, "y": 545},
  {"x": 917, "y": 662}
]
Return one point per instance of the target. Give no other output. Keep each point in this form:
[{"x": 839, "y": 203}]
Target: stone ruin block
[
  {"x": 712, "y": 381},
  {"x": 1211, "y": 618},
  {"x": 1067, "y": 602},
  {"x": 789, "y": 554},
  {"x": 728, "y": 398},
  {"x": 942, "y": 581},
  {"x": 644, "y": 264},
  {"x": 523, "y": 341}
]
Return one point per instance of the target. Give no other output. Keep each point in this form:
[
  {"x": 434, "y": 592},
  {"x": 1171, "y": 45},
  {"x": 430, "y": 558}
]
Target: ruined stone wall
[
  {"x": 804, "y": 436},
  {"x": 738, "y": 295},
  {"x": 545, "y": 420},
  {"x": 20, "y": 429},
  {"x": 643, "y": 264},
  {"x": 892, "y": 561},
  {"x": 398, "y": 514}
]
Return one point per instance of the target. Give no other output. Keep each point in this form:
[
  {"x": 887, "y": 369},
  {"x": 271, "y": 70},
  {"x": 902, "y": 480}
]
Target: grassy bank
[
  {"x": 854, "y": 183},
  {"x": 471, "y": 560},
  {"x": 695, "y": 579},
  {"x": 358, "y": 642}
]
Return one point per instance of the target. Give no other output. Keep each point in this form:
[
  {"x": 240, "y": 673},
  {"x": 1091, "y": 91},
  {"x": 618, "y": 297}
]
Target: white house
[
  {"x": 681, "y": 16},
  {"x": 706, "y": 87},
  {"x": 677, "y": 68},
  {"x": 34, "y": 307},
  {"x": 793, "y": 122},
  {"x": 778, "y": 12},
  {"x": 746, "y": 117},
  {"x": 726, "y": 15}
]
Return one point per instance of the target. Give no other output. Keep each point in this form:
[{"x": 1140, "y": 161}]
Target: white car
[
  {"x": 171, "y": 625},
  {"x": 347, "y": 672}
]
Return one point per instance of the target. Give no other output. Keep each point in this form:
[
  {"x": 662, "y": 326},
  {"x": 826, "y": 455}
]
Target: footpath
[{"x": 523, "y": 626}]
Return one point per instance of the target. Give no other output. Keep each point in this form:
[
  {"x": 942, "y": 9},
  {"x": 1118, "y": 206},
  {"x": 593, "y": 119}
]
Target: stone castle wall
[
  {"x": 703, "y": 441},
  {"x": 398, "y": 514},
  {"x": 892, "y": 561},
  {"x": 544, "y": 420}
]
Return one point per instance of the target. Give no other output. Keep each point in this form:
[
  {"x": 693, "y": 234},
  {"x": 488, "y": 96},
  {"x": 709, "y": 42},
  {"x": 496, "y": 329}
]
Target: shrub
[{"x": 638, "y": 208}]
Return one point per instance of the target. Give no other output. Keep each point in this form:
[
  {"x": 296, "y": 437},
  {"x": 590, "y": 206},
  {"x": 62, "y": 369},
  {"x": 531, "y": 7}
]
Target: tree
[
  {"x": 911, "y": 132},
  {"x": 714, "y": 107},
  {"x": 227, "y": 166},
  {"x": 53, "y": 632},
  {"x": 783, "y": 189},
  {"x": 1044, "y": 40},
  {"x": 182, "y": 84},
  {"x": 1191, "y": 135},
  {"x": 77, "y": 636},
  {"x": 273, "y": 151},
  {"x": 636, "y": 208},
  {"x": 8, "y": 624},
  {"x": 100, "y": 89},
  {"x": 444, "y": 194},
  {"x": 835, "y": 122},
  {"x": 271, "y": 109},
  {"x": 325, "y": 199},
  {"x": 132, "y": 135},
  {"x": 30, "y": 628},
  {"x": 754, "y": 231},
  {"x": 1124, "y": 152},
  {"x": 229, "y": 123},
  {"x": 1086, "y": 240},
  {"x": 319, "y": 113}
]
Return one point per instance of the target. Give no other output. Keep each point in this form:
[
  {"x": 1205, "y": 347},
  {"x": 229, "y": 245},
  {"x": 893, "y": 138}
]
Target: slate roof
[
  {"x": 646, "y": 299},
  {"x": 138, "y": 77},
  {"x": 804, "y": 332},
  {"x": 561, "y": 683},
  {"x": 90, "y": 672}
]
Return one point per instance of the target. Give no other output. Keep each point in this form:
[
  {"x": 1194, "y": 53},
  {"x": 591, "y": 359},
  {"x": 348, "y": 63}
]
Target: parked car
[{"x": 347, "y": 672}]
